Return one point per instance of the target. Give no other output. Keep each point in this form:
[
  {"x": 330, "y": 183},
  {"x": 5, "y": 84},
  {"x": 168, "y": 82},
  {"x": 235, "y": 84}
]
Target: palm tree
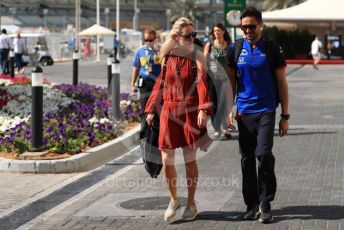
[{"x": 268, "y": 5}]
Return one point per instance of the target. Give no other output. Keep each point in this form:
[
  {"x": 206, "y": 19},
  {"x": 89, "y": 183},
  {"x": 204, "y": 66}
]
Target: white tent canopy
[
  {"x": 96, "y": 30},
  {"x": 311, "y": 10}
]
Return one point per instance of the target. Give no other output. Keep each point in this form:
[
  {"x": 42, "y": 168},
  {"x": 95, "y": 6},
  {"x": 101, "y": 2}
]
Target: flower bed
[
  {"x": 6, "y": 80},
  {"x": 75, "y": 117}
]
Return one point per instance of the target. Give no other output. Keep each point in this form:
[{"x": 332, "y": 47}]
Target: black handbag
[{"x": 150, "y": 152}]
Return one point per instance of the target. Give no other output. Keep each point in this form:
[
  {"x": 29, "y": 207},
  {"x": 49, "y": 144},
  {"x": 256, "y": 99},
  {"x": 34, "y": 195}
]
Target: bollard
[
  {"x": 109, "y": 65},
  {"x": 11, "y": 63},
  {"x": 115, "y": 90},
  {"x": 37, "y": 109},
  {"x": 75, "y": 67}
]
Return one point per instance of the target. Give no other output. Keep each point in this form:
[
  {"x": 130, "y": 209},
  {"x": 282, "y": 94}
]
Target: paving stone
[{"x": 309, "y": 168}]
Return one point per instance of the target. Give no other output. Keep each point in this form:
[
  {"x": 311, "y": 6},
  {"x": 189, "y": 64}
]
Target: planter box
[{"x": 77, "y": 163}]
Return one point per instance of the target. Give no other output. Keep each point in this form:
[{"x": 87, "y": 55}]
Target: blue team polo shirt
[
  {"x": 145, "y": 53},
  {"x": 256, "y": 91}
]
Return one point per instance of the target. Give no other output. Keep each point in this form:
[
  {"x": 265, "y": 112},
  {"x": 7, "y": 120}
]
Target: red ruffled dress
[{"x": 178, "y": 99}]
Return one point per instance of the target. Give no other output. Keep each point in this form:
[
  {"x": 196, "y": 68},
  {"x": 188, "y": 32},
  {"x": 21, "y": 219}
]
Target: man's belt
[{"x": 148, "y": 79}]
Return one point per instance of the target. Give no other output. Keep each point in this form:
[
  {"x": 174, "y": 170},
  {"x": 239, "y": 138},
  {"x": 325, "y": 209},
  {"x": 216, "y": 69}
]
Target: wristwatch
[{"x": 285, "y": 116}]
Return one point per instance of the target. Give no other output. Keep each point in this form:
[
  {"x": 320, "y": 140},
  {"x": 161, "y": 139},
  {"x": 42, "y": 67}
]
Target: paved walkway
[
  {"x": 16, "y": 188},
  {"x": 309, "y": 168},
  {"x": 89, "y": 72}
]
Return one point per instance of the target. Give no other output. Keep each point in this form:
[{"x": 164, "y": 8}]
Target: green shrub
[{"x": 297, "y": 42}]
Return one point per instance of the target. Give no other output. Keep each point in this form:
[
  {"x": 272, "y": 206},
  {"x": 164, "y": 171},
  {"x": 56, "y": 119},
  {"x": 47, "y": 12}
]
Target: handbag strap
[
  {"x": 193, "y": 67},
  {"x": 164, "y": 69},
  {"x": 143, "y": 133},
  {"x": 194, "y": 71}
]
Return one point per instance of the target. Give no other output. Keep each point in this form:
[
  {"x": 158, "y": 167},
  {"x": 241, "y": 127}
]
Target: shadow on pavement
[
  {"x": 326, "y": 212},
  {"x": 294, "y": 70},
  {"x": 215, "y": 216},
  {"x": 308, "y": 133},
  {"x": 119, "y": 163},
  {"x": 226, "y": 139},
  {"x": 236, "y": 137}
]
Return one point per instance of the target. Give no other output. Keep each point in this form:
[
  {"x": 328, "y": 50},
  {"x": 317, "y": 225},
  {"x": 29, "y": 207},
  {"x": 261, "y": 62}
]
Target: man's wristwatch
[{"x": 285, "y": 116}]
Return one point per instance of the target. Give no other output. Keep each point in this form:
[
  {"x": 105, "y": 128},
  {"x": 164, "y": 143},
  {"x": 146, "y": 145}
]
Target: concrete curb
[{"x": 78, "y": 163}]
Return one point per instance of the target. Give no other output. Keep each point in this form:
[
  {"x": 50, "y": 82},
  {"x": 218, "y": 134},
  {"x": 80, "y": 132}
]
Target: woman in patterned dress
[{"x": 216, "y": 53}]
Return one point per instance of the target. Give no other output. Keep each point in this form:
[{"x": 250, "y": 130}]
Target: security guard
[{"x": 146, "y": 67}]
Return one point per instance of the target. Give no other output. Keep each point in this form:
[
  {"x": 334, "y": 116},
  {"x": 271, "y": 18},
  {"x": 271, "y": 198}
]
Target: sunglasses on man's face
[
  {"x": 246, "y": 27},
  {"x": 189, "y": 36},
  {"x": 149, "y": 40}
]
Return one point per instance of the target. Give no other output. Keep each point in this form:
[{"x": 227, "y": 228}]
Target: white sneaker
[
  {"x": 190, "y": 212},
  {"x": 171, "y": 210},
  {"x": 217, "y": 133}
]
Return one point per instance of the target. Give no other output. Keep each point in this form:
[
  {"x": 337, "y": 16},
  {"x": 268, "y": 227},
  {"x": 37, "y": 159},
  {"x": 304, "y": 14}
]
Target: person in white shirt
[
  {"x": 5, "y": 46},
  {"x": 315, "y": 51},
  {"x": 19, "y": 48}
]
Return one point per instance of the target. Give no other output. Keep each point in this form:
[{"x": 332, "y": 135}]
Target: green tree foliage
[
  {"x": 268, "y": 5},
  {"x": 186, "y": 8},
  {"x": 293, "y": 42}
]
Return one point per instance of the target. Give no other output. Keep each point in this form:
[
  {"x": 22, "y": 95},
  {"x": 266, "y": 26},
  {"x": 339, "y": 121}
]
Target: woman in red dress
[
  {"x": 183, "y": 102},
  {"x": 87, "y": 48}
]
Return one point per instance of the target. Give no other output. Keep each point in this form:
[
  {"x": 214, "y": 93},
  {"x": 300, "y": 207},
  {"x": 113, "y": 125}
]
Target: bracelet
[{"x": 204, "y": 110}]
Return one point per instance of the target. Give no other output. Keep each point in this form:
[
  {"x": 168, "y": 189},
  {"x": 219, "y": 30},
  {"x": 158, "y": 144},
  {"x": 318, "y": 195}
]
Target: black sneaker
[
  {"x": 265, "y": 213},
  {"x": 252, "y": 213}
]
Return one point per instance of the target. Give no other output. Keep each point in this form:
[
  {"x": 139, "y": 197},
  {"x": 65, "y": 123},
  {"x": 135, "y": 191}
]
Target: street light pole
[
  {"x": 117, "y": 28},
  {"x": 98, "y": 40},
  {"x": 77, "y": 24},
  {"x": 135, "y": 18},
  {"x": 45, "y": 13},
  {"x": 107, "y": 12},
  {"x": 63, "y": 23},
  {"x": 0, "y": 12},
  {"x": 168, "y": 14},
  {"x": 13, "y": 12},
  {"x": 98, "y": 18}
]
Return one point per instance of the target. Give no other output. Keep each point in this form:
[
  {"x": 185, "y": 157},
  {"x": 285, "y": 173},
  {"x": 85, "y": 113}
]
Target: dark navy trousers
[
  {"x": 256, "y": 132},
  {"x": 4, "y": 60}
]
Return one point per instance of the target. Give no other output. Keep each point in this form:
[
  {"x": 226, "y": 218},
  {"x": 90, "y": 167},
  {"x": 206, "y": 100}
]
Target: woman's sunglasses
[
  {"x": 189, "y": 36},
  {"x": 246, "y": 27}
]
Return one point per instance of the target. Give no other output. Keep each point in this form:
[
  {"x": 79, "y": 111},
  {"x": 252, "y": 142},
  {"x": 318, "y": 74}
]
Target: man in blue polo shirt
[
  {"x": 259, "y": 82},
  {"x": 146, "y": 68}
]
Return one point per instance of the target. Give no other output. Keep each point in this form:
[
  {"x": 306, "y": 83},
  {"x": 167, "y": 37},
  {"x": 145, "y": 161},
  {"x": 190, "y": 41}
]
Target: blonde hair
[{"x": 176, "y": 30}]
